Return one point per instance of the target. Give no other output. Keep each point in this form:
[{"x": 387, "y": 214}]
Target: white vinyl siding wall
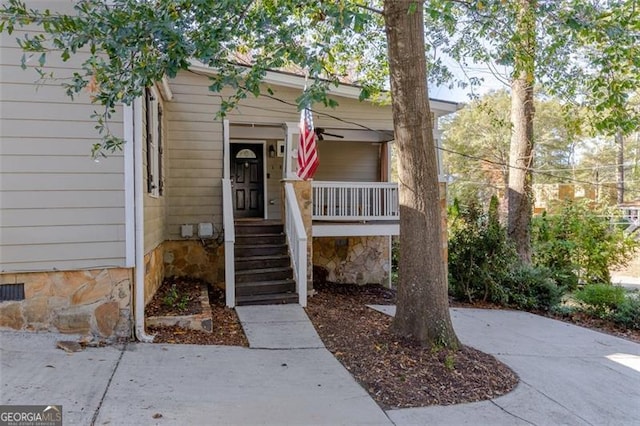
[{"x": 59, "y": 209}]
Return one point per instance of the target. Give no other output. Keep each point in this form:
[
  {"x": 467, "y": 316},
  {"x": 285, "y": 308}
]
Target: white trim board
[{"x": 355, "y": 230}]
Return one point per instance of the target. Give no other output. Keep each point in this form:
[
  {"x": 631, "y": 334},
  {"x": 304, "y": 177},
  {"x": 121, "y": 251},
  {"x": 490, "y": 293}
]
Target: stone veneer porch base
[{"x": 353, "y": 260}]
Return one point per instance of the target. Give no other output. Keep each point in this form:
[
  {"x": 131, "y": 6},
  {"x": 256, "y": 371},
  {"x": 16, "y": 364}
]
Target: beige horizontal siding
[
  {"x": 64, "y": 234},
  {"x": 194, "y": 155},
  {"x": 63, "y": 217},
  {"x": 58, "y": 208},
  {"x": 59, "y": 200},
  {"x": 32, "y": 146},
  {"x": 24, "y": 257},
  {"x": 348, "y": 161},
  {"x": 60, "y": 182},
  {"x": 28, "y": 162}
]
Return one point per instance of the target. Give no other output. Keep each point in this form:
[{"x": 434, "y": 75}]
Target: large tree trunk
[
  {"x": 423, "y": 304},
  {"x": 519, "y": 193},
  {"x": 620, "y": 174}
]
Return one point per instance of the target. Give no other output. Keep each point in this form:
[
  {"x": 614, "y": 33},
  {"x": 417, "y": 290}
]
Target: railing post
[
  {"x": 229, "y": 244},
  {"x": 298, "y": 196}
]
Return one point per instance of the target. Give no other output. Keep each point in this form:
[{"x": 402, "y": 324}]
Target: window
[
  {"x": 155, "y": 183},
  {"x": 246, "y": 153}
]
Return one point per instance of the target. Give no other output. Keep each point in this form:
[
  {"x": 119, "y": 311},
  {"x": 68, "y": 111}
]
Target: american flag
[{"x": 307, "y": 149}]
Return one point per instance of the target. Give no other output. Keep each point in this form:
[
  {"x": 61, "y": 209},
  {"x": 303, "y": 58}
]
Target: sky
[{"x": 490, "y": 83}]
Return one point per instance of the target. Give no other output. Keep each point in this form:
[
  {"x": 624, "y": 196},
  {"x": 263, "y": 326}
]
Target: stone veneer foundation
[
  {"x": 96, "y": 301},
  {"x": 154, "y": 272},
  {"x": 353, "y": 260},
  {"x": 188, "y": 258},
  {"x": 194, "y": 259}
]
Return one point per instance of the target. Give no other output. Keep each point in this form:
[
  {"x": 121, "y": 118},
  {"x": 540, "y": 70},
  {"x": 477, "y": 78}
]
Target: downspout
[{"x": 138, "y": 298}]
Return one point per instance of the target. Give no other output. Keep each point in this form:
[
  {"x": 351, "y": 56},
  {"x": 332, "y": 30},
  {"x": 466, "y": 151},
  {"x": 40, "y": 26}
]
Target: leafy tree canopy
[
  {"x": 134, "y": 43},
  {"x": 482, "y": 133},
  {"x": 586, "y": 52}
]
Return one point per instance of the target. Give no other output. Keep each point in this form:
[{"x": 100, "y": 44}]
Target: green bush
[
  {"x": 580, "y": 245},
  {"x": 627, "y": 313},
  {"x": 480, "y": 256},
  {"x": 532, "y": 288},
  {"x": 601, "y": 298},
  {"x": 484, "y": 266}
]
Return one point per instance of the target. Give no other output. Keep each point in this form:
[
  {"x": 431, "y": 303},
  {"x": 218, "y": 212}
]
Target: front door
[{"x": 247, "y": 179}]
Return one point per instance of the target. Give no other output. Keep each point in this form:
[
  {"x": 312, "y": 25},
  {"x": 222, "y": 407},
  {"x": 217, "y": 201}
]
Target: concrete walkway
[
  {"x": 569, "y": 375},
  {"x": 278, "y": 327}
]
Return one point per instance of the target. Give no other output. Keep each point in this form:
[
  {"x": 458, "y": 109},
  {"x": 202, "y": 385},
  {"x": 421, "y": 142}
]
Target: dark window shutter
[
  {"x": 149, "y": 127},
  {"x": 160, "y": 153}
]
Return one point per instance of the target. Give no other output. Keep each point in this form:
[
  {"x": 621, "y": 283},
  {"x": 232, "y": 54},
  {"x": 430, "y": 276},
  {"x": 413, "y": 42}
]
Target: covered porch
[{"x": 350, "y": 195}]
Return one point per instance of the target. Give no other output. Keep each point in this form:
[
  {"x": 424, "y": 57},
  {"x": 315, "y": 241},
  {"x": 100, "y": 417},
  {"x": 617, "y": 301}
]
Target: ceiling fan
[{"x": 320, "y": 132}]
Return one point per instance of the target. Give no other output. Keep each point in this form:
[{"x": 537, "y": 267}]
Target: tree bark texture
[
  {"x": 423, "y": 304},
  {"x": 620, "y": 173},
  {"x": 519, "y": 191}
]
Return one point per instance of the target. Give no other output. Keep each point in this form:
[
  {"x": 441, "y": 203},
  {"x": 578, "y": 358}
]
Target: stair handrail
[
  {"x": 229, "y": 244},
  {"x": 297, "y": 242}
]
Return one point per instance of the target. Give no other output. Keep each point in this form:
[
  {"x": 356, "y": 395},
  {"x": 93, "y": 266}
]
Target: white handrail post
[
  {"x": 229, "y": 244},
  {"x": 302, "y": 274},
  {"x": 297, "y": 241}
]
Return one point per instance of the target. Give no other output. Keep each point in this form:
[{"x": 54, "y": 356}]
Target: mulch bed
[
  {"x": 172, "y": 293},
  {"x": 396, "y": 372},
  {"x": 226, "y": 325}
]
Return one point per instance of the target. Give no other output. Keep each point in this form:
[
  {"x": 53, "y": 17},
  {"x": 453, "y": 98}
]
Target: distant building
[{"x": 549, "y": 194}]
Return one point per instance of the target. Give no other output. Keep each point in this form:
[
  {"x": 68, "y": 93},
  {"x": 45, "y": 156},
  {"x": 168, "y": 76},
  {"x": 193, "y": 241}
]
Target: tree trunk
[
  {"x": 519, "y": 191},
  {"x": 620, "y": 174},
  {"x": 423, "y": 303}
]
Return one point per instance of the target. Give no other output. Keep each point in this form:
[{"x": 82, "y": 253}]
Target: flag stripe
[{"x": 307, "y": 149}]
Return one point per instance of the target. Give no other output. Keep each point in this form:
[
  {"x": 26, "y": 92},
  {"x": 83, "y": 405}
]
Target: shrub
[
  {"x": 580, "y": 245},
  {"x": 601, "y": 298},
  {"x": 395, "y": 258},
  {"x": 627, "y": 313},
  {"x": 532, "y": 288},
  {"x": 480, "y": 256}
]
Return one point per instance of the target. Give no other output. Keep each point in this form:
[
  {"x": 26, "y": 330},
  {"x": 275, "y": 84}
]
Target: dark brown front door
[{"x": 248, "y": 183}]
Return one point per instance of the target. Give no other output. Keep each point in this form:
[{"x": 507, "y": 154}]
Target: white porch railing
[
  {"x": 355, "y": 201},
  {"x": 229, "y": 243},
  {"x": 297, "y": 240}
]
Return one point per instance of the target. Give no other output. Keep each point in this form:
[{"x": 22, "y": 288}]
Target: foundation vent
[{"x": 11, "y": 292}]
